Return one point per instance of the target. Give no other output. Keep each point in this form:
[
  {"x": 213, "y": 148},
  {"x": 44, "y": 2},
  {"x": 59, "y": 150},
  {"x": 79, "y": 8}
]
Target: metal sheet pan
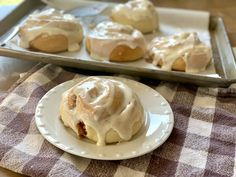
[{"x": 224, "y": 59}]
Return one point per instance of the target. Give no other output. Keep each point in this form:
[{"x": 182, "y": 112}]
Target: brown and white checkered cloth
[{"x": 202, "y": 142}]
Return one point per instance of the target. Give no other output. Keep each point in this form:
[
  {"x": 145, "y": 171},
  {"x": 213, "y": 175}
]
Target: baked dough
[
  {"x": 102, "y": 110},
  {"x": 141, "y": 14},
  {"x": 51, "y": 31},
  {"x": 181, "y": 52},
  {"x": 115, "y": 42}
]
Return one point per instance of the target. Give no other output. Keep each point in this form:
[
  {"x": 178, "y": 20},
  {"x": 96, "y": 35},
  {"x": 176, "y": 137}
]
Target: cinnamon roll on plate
[
  {"x": 51, "y": 31},
  {"x": 102, "y": 110}
]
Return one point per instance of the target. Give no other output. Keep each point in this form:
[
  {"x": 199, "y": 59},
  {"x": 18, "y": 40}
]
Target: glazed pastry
[
  {"x": 102, "y": 110},
  {"x": 115, "y": 42},
  {"x": 141, "y": 14},
  {"x": 182, "y": 52},
  {"x": 51, "y": 31}
]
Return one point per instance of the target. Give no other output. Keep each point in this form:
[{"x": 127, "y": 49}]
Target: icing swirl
[
  {"x": 52, "y": 22},
  {"x": 136, "y": 11},
  {"x": 102, "y": 104}
]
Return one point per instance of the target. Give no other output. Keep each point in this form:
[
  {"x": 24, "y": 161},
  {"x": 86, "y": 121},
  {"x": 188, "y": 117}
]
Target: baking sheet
[{"x": 172, "y": 21}]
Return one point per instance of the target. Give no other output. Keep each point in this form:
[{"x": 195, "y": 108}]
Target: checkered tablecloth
[{"x": 202, "y": 142}]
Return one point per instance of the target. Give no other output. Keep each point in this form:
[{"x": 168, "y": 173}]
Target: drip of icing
[
  {"x": 108, "y": 35},
  {"x": 52, "y": 22},
  {"x": 195, "y": 53},
  {"x": 97, "y": 96}
]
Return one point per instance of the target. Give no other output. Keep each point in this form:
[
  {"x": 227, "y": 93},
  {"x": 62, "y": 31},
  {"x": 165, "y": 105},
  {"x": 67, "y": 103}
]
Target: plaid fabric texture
[{"x": 202, "y": 142}]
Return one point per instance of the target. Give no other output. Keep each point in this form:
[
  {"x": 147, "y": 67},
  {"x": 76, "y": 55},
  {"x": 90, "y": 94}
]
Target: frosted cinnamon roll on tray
[
  {"x": 141, "y": 14},
  {"x": 51, "y": 31},
  {"x": 102, "y": 110},
  {"x": 115, "y": 42},
  {"x": 119, "y": 48},
  {"x": 181, "y": 52}
]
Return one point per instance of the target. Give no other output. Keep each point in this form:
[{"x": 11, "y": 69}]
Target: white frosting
[
  {"x": 108, "y": 35},
  {"x": 95, "y": 107},
  {"x": 195, "y": 53},
  {"x": 52, "y": 22},
  {"x": 137, "y": 10}
]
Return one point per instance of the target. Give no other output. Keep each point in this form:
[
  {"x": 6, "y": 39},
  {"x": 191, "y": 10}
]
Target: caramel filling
[{"x": 81, "y": 129}]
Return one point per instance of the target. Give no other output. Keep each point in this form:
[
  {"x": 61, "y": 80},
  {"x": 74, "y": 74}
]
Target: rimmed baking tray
[{"x": 224, "y": 60}]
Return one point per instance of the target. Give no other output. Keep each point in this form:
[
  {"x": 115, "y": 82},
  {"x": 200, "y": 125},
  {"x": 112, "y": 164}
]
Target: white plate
[{"x": 158, "y": 125}]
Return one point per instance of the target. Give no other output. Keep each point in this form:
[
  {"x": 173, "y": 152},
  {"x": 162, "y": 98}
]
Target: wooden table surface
[{"x": 222, "y": 8}]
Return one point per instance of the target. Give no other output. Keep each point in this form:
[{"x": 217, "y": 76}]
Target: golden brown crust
[
  {"x": 125, "y": 53},
  {"x": 88, "y": 44},
  {"x": 121, "y": 53},
  {"x": 178, "y": 65},
  {"x": 50, "y": 44}
]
